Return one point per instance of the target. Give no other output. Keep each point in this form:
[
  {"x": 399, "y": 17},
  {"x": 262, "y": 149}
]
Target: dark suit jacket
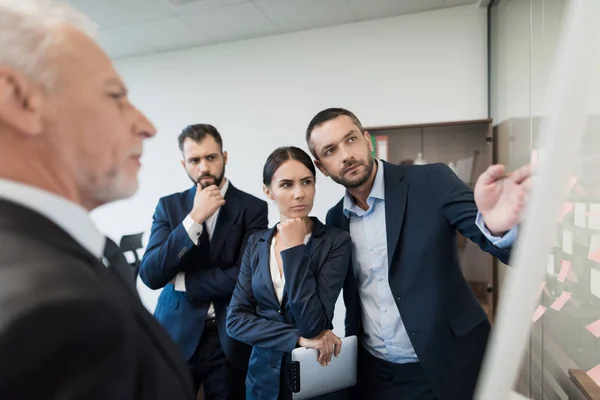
[
  {"x": 424, "y": 206},
  {"x": 314, "y": 275},
  {"x": 211, "y": 274},
  {"x": 72, "y": 329}
]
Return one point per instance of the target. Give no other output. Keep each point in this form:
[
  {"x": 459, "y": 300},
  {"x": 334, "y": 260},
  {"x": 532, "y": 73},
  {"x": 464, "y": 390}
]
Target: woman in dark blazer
[{"x": 290, "y": 278}]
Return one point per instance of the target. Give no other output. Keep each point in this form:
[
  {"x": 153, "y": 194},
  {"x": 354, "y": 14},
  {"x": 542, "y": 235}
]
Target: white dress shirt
[
  {"x": 194, "y": 230},
  {"x": 278, "y": 279},
  {"x": 69, "y": 216}
]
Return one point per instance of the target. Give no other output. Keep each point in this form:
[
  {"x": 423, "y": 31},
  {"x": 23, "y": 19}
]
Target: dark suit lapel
[
  {"x": 225, "y": 220},
  {"x": 396, "y": 192},
  {"x": 264, "y": 264},
  {"x": 312, "y": 246}
]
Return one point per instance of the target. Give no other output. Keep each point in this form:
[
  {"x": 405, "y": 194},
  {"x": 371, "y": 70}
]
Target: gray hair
[{"x": 29, "y": 35}]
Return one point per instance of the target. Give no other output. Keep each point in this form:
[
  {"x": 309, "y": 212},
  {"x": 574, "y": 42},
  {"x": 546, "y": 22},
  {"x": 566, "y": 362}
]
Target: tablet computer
[{"x": 311, "y": 379}]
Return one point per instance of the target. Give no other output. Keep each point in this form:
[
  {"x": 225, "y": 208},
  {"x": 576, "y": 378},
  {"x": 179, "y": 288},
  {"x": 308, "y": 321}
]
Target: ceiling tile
[
  {"x": 291, "y": 15},
  {"x": 235, "y": 22},
  {"x": 373, "y": 9},
  {"x": 112, "y": 13},
  {"x": 168, "y": 33},
  {"x": 200, "y": 5},
  {"x": 117, "y": 46}
]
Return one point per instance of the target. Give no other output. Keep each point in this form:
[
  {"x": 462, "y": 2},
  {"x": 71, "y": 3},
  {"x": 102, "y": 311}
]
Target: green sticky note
[{"x": 374, "y": 143}]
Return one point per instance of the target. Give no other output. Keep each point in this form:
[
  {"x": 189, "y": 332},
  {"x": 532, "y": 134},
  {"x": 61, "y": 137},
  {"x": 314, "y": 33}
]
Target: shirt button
[
  {"x": 379, "y": 278},
  {"x": 367, "y": 217},
  {"x": 384, "y": 310},
  {"x": 371, "y": 248}
]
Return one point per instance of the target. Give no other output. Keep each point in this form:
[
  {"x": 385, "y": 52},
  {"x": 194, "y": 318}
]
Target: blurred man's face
[
  {"x": 343, "y": 152},
  {"x": 103, "y": 133},
  {"x": 204, "y": 161},
  {"x": 83, "y": 133}
]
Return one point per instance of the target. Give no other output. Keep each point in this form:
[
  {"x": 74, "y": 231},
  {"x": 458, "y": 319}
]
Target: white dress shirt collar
[
  {"x": 377, "y": 192},
  {"x": 69, "y": 216}
]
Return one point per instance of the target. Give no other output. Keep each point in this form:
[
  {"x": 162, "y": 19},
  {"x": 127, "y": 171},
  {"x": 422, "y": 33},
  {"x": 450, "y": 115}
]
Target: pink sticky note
[
  {"x": 567, "y": 208},
  {"x": 572, "y": 182},
  {"x": 595, "y": 256},
  {"x": 538, "y": 313},
  {"x": 560, "y": 302},
  {"x": 594, "y": 328},
  {"x": 594, "y": 373},
  {"x": 564, "y": 270},
  {"x": 593, "y": 214},
  {"x": 534, "y": 157}
]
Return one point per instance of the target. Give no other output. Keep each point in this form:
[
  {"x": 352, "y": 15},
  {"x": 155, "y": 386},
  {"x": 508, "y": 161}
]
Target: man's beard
[
  {"x": 216, "y": 179},
  {"x": 358, "y": 181}
]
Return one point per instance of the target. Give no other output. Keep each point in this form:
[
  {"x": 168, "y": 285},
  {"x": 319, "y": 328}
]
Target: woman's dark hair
[{"x": 281, "y": 155}]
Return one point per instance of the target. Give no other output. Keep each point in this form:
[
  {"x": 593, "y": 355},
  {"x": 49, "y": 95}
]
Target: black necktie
[
  {"x": 118, "y": 263},
  {"x": 204, "y": 241}
]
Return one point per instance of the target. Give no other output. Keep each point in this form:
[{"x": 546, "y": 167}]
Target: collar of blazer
[{"x": 17, "y": 218}]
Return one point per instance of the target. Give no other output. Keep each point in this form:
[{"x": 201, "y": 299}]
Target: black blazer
[
  {"x": 72, "y": 329},
  {"x": 211, "y": 273},
  {"x": 314, "y": 275},
  {"x": 424, "y": 206}
]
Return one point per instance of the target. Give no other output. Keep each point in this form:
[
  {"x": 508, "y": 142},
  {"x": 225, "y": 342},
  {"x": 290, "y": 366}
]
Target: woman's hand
[
  {"x": 327, "y": 343},
  {"x": 292, "y": 232}
]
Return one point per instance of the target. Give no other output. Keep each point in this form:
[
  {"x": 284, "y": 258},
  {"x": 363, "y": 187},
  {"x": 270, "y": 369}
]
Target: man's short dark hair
[
  {"x": 325, "y": 116},
  {"x": 198, "y": 132}
]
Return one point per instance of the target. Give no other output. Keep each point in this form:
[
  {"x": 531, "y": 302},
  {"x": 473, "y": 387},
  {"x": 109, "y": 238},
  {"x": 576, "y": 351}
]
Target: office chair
[{"x": 132, "y": 243}]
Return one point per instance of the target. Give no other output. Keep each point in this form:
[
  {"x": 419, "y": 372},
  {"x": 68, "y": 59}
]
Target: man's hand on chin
[{"x": 501, "y": 198}]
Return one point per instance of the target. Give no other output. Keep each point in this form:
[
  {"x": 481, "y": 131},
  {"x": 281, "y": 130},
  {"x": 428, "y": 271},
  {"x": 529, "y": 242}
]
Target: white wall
[{"x": 262, "y": 93}]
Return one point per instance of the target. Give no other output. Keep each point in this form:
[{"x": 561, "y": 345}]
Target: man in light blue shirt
[{"x": 422, "y": 330}]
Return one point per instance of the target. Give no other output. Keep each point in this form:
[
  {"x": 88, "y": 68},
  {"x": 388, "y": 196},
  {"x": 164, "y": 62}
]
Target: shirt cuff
[
  {"x": 501, "y": 242},
  {"x": 193, "y": 229},
  {"x": 180, "y": 282}
]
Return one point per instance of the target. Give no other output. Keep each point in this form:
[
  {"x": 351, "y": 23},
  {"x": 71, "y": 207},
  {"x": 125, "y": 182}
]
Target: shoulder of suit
[
  {"x": 251, "y": 199},
  {"x": 416, "y": 173},
  {"x": 255, "y": 237},
  {"x": 337, "y": 208},
  {"x": 175, "y": 196},
  {"x": 41, "y": 275}
]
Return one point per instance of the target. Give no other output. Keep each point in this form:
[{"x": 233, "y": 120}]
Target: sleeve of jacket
[
  {"x": 166, "y": 248},
  {"x": 457, "y": 204},
  {"x": 245, "y": 325},
  {"x": 350, "y": 294},
  {"x": 75, "y": 349},
  {"x": 218, "y": 283},
  {"x": 312, "y": 297}
]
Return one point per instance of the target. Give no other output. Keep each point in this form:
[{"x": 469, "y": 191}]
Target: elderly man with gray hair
[{"x": 71, "y": 326}]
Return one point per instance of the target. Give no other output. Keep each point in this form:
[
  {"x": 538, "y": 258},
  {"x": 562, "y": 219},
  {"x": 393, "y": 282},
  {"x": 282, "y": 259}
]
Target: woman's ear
[{"x": 267, "y": 192}]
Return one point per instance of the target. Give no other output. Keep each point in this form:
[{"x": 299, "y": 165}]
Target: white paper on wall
[
  {"x": 594, "y": 216},
  {"x": 580, "y": 215},
  {"x": 550, "y": 267},
  {"x": 567, "y": 244}
]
